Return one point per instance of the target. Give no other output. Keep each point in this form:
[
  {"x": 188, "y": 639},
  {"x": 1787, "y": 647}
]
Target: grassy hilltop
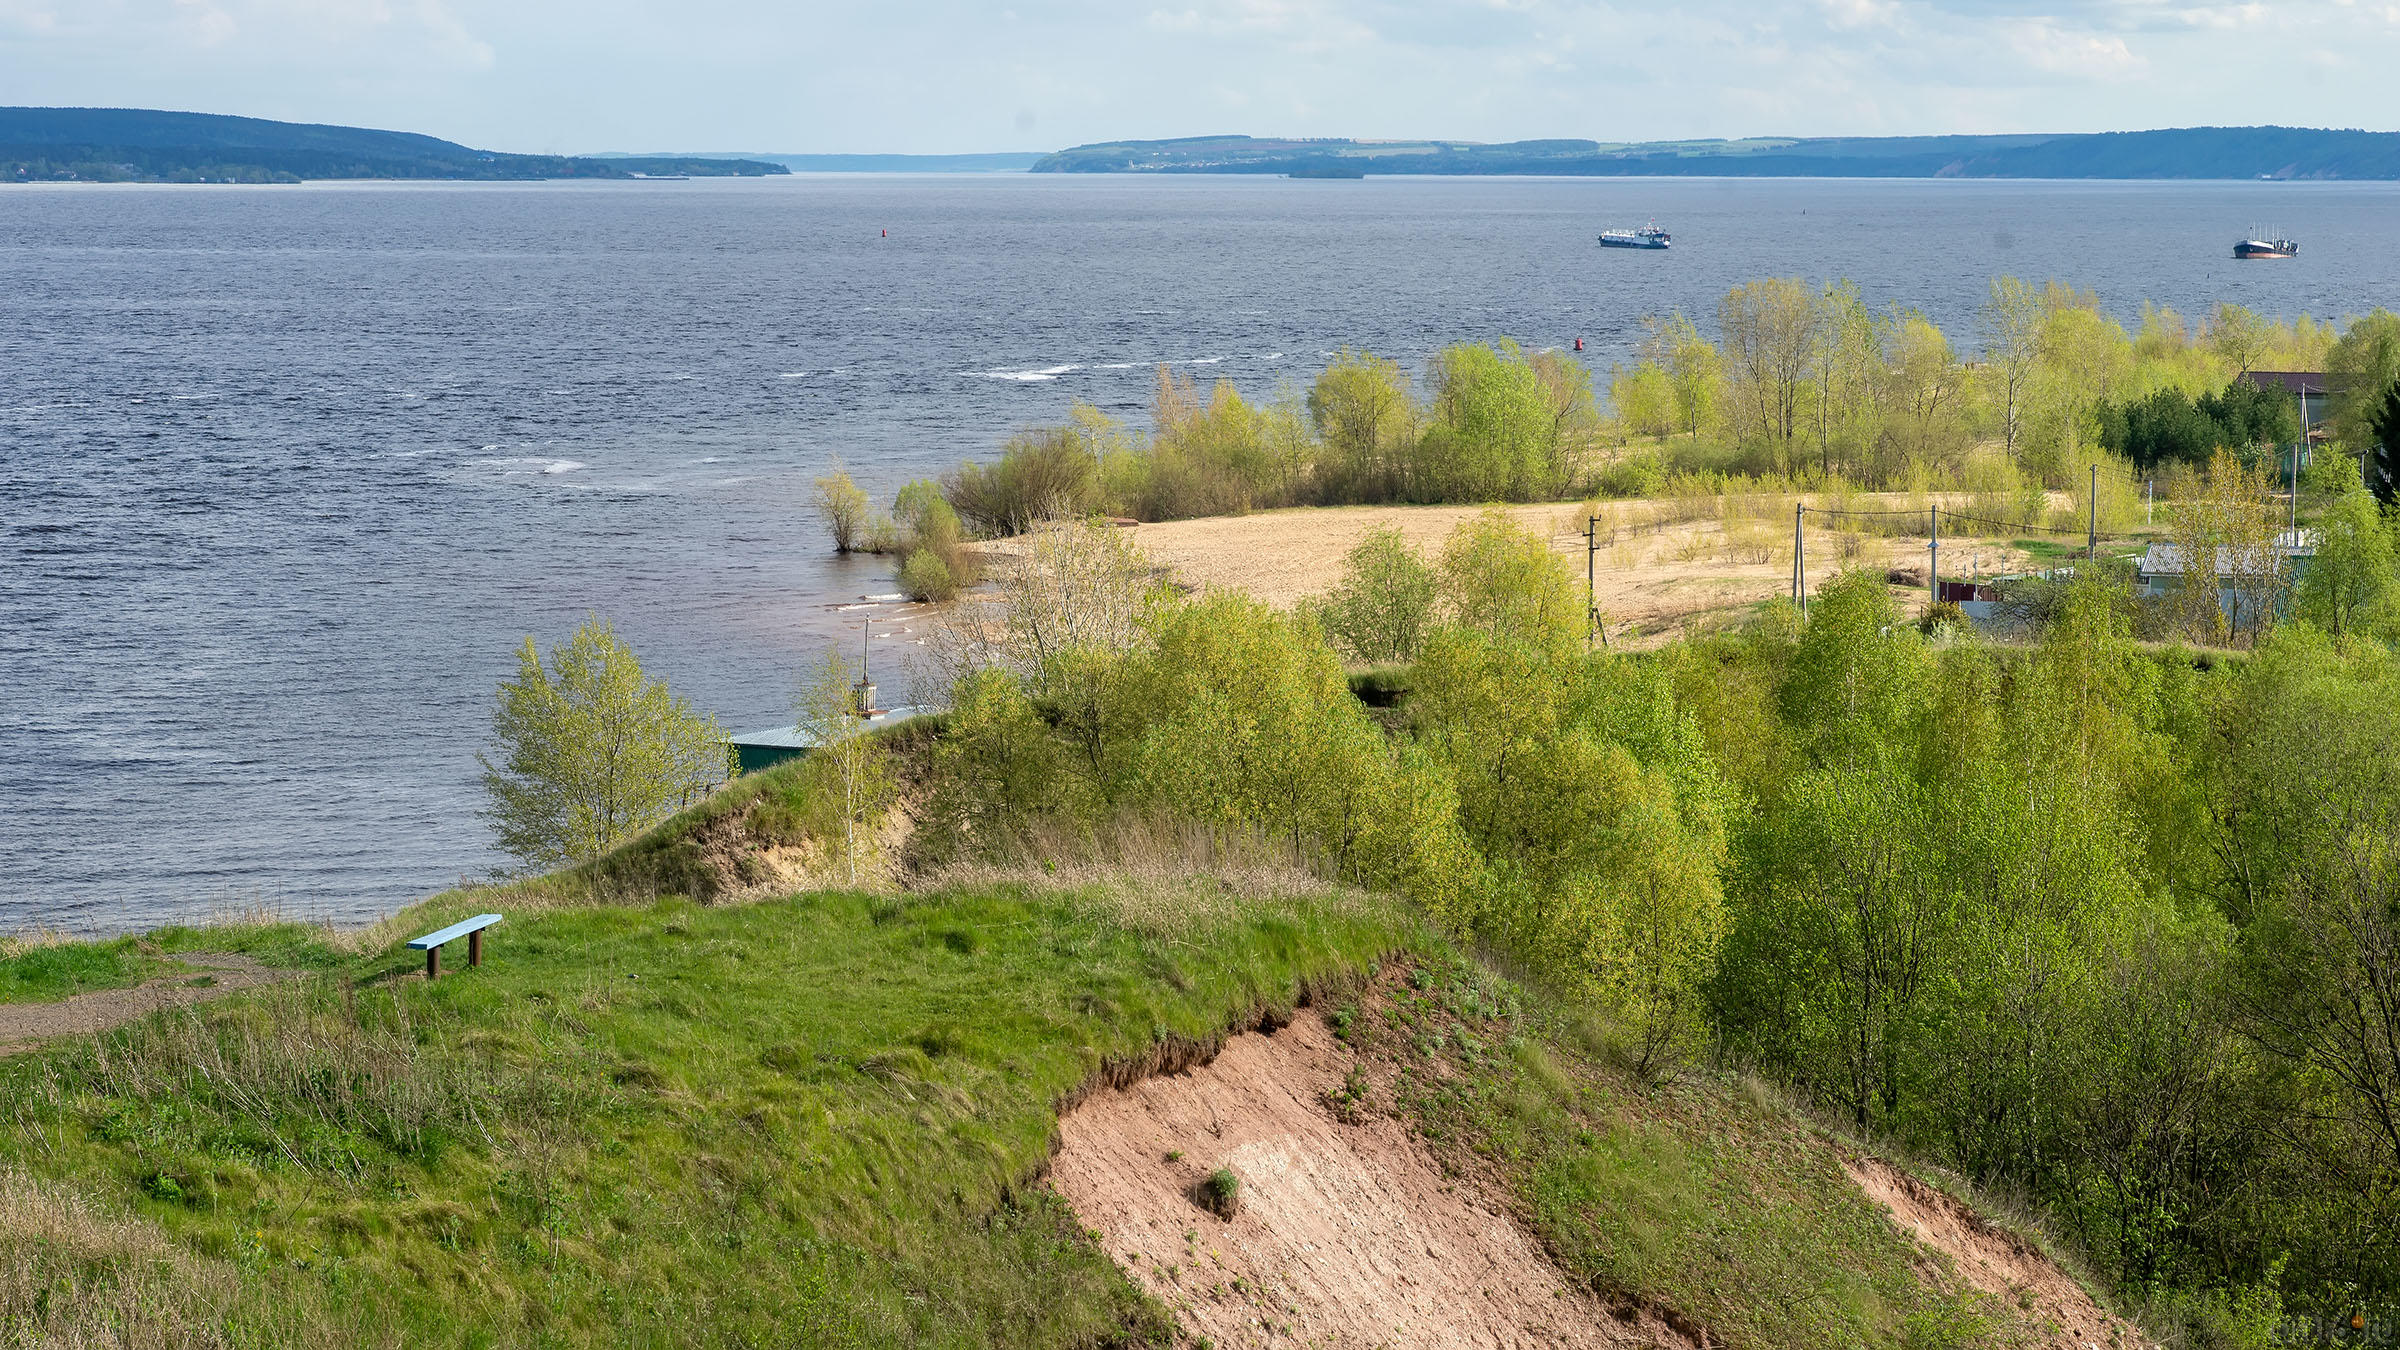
[{"x": 822, "y": 1118}]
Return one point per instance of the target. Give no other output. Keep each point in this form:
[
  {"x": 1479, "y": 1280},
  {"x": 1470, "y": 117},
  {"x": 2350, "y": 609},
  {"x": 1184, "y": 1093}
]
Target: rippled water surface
[{"x": 287, "y": 473}]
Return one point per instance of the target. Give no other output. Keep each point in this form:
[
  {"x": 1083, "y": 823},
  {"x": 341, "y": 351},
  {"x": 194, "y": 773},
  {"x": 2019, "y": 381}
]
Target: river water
[{"x": 287, "y": 473}]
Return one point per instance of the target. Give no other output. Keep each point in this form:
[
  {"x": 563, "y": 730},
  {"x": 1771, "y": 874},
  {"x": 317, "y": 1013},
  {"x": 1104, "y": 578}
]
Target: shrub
[
  {"x": 1380, "y": 610},
  {"x": 927, "y": 578},
  {"x": 1041, "y": 474},
  {"x": 1642, "y": 474},
  {"x": 843, "y": 508},
  {"x": 1220, "y": 1193}
]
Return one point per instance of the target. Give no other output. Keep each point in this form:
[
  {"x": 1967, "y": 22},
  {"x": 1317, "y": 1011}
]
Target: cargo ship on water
[
  {"x": 2266, "y": 248},
  {"x": 1649, "y": 236}
]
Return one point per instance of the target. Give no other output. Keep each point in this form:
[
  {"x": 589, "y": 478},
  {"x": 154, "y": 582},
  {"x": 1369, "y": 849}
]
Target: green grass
[
  {"x": 1703, "y": 1200},
  {"x": 809, "y": 1121},
  {"x": 44, "y": 972}
]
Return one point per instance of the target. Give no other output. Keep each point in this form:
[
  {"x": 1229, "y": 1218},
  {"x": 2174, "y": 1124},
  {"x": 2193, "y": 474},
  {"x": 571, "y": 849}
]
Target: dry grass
[
  {"x": 344, "y": 1067},
  {"x": 1143, "y": 855},
  {"x": 1689, "y": 561},
  {"x": 78, "y": 1276}
]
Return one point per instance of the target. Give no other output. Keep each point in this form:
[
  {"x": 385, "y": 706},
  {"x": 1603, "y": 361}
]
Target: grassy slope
[
  {"x": 1705, "y": 1199},
  {"x": 816, "y": 1119},
  {"x": 39, "y": 972},
  {"x": 812, "y": 1119}
]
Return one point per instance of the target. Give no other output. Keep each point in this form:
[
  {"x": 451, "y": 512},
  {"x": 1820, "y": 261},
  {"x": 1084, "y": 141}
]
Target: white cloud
[
  {"x": 1031, "y": 74},
  {"x": 2059, "y": 51},
  {"x": 1854, "y": 14}
]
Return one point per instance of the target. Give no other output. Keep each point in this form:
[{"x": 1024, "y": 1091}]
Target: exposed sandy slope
[
  {"x": 23, "y": 1024},
  {"x": 1651, "y": 577},
  {"x": 1994, "y": 1261},
  {"x": 1347, "y": 1236}
]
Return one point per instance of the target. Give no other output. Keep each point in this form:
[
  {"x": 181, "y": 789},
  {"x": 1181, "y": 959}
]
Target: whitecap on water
[
  {"x": 1028, "y": 376},
  {"x": 533, "y": 465}
]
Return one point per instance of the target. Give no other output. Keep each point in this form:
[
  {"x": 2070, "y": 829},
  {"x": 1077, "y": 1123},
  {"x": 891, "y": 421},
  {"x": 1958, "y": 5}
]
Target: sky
[{"x": 935, "y": 76}]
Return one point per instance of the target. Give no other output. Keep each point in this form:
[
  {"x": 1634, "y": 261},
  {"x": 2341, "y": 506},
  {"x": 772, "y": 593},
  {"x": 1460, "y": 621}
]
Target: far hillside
[
  {"x": 2182, "y": 152},
  {"x": 134, "y": 145}
]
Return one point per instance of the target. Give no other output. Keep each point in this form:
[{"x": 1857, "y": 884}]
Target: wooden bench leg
[
  {"x": 475, "y": 948},
  {"x": 433, "y": 963}
]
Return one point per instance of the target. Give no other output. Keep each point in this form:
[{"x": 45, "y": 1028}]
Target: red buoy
[
  {"x": 887, "y": 234},
  {"x": 1579, "y": 344}
]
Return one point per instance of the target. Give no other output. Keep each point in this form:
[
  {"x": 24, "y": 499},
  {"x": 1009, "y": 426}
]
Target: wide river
[{"x": 287, "y": 473}]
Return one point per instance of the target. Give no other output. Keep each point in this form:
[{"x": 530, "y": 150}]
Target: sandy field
[{"x": 1655, "y": 577}]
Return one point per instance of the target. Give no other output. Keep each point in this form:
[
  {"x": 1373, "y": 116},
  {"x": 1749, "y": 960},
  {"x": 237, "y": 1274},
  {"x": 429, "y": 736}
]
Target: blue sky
[{"x": 580, "y": 75}]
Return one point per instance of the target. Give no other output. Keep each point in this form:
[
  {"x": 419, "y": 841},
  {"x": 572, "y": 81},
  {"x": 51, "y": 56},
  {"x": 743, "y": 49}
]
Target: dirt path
[
  {"x": 23, "y": 1025},
  {"x": 1346, "y": 1236},
  {"x": 1995, "y": 1261}
]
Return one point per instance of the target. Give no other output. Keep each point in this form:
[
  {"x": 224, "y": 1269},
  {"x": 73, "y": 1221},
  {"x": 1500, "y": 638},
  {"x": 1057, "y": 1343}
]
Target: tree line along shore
[{"x": 1804, "y": 390}]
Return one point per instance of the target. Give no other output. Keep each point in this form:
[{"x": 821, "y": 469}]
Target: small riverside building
[
  {"x": 2308, "y": 386},
  {"x": 756, "y": 750},
  {"x": 2162, "y": 565}
]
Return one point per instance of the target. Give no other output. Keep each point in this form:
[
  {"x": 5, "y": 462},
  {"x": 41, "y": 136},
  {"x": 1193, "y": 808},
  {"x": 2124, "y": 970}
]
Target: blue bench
[{"x": 470, "y": 929}]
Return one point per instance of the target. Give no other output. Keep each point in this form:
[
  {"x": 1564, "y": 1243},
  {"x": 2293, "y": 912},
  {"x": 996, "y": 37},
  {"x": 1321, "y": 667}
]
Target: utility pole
[
  {"x": 2091, "y": 537},
  {"x": 2296, "y": 477},
  {"x": 1797, "y": 508},
  {"x": 1591, "y": 579},
  {"x": 1933, "y": 561}
]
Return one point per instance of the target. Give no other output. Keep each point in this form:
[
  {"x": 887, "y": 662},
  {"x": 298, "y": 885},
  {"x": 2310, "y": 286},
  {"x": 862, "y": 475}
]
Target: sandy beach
[{"x": 1654, "y": 576}]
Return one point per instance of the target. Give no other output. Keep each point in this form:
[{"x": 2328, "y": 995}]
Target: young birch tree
[
  {"x": 2012, "y": 347},
  {"x": 1770, "y": 335},
  {"x": 591, "y": 751},
  {"x": 848, "y": 766}
]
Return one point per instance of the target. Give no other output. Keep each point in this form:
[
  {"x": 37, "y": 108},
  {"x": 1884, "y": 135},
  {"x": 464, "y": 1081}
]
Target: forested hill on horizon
[
  {"x": 2190, "y": 152},
  {"x": 120, "y": 145}
]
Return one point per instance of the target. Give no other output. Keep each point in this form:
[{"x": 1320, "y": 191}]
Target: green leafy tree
[
  {"x": 842, "y": 505},
  {"x": 998, "y": 770},
  {"x": 1924, "y": 387},
  {"x": 2308, "y": 796},
  {"x": 1591, "y": 801},
  {"x": 1645, "y": 400},
  {"x": 1695, "y": 373},
  {"x": 1385, "y": 600},
  {"x": 1499, "y": 577},
  {"x": 1770, "y": 332},
  {"x": 2012, "y": 349},
  {"x": 2240, "y": 338},
  {"x": 844, "y": 760},
  {"x": 2349, "y": 581},
  {"x": 1499, "y": 426},
  {"x": 591, "y": 752},
  {"x": 2360, "y": 369},
  {"x": 935, "y": 563},
  {"x": 1848, "y": 369},
  {"x": 2383, "y": 424},
  {"x": 1367, "y": 423}
]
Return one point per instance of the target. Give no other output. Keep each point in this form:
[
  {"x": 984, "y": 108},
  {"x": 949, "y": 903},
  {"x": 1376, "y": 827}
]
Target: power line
[{"x": 2014, "y": 527}]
